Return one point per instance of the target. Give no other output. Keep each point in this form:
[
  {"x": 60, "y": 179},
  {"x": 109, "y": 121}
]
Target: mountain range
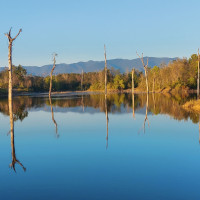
[{"x": 123, "y": 65}]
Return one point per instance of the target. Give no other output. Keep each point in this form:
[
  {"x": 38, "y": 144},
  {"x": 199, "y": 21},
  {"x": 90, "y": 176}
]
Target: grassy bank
[{"x": 193, "y": 106}]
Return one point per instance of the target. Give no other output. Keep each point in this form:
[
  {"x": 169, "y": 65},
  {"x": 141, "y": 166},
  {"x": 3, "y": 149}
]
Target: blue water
[{"x": 160, "y": 162}]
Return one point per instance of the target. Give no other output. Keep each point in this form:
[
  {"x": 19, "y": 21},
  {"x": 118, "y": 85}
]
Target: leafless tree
[
  {"x": 10, "y": 44},
  {"x": 145, "y": 70},
  {"x": 51, "y": 74},
  {"x": 133, "y": 84},
  {"x": 82, "y": 80}
]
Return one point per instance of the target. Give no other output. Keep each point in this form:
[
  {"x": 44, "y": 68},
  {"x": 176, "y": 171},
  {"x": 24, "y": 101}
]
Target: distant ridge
[{"x": 123, "y": 65}]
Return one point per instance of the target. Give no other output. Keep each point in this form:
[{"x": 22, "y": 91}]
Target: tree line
[{"x": 178, "y": 74}]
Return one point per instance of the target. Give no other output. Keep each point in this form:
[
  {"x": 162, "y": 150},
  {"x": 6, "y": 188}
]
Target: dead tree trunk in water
[
  {"x": 10, "y": 101},
  {"x": 10, "y": 40},
  {"x": 145, "y": 70},
  {"x": 105, "y": 70},
  {"x": 153, "y": 83},
  {"x": 133, "y": 85},
  {"x": 51, "y": 74},
  {"x": 12, "y": 137},
  {"x": 50, "y": 87},
  {"x": 82, "y": 80}
]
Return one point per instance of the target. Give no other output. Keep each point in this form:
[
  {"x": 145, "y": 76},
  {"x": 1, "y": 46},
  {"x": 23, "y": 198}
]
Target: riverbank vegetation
[{"x": 181, "y": 74}]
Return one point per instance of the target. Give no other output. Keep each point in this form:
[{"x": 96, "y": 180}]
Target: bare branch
[
  {"x": 141, "y": 58},
  {"x": 17, "y": 34}
]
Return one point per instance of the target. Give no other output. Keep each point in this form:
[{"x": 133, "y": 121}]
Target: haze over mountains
[{"x": 123, "y": 65}]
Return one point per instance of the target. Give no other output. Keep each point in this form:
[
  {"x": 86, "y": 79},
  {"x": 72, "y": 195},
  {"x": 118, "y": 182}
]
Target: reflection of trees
[
  {"x": 14, "y": 159},
  {"x": 157, "y": 104}
]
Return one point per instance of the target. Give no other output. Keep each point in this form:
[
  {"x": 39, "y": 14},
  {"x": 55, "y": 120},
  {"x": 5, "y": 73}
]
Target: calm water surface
[{"x": 92, "y": 147}]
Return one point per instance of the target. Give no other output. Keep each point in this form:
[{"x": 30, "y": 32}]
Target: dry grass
[{"x": 193, "y": 105}]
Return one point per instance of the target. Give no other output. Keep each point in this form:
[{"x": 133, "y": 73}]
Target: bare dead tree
[
  {"x": 154, "y": 83},
  {"x": 50, "y": 88},
  {"x": 51, "y": 74},
  {"x": 10, "y": 44},
  {"x": 105, "y": 70},
  {"x": 82, "y": 80},
  {"x": 133, "y": 84},
  {"x": 145, "y": 70}
]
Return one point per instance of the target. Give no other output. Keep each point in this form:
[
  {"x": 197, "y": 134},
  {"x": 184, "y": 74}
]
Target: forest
[{"x": 177, "y": 75}]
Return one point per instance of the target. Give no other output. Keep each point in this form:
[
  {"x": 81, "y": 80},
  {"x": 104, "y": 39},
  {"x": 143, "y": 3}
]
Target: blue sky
[{"x": 77, "y": 30}]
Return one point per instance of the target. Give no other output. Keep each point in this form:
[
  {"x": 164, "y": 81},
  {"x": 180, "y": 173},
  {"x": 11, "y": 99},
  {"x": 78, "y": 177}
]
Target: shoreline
[{"x": 87, "y": 92}]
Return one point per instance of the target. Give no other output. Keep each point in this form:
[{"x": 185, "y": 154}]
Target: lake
[{"x": 96, "y": 147}]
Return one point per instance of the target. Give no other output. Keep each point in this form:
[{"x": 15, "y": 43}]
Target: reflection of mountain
[{"x": 116, "y": 103}]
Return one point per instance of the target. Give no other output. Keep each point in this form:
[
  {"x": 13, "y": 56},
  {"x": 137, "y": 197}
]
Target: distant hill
[{"x": 123, "y": 65}]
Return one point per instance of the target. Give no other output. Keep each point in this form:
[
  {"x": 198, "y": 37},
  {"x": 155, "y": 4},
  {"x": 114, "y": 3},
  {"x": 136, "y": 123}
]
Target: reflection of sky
[{"x": 163, "y": 163}]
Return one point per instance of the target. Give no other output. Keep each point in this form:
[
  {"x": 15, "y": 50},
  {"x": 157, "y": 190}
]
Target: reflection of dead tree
[
  {"x": 82, "y": 102},
  {"x": 14, "y": 159},
  {"x": 50, "y": 87},
  {"x": 146, "y": 116},
  {"x": 10, "y": 101},
  {"x": 107, "y": 119},
  {"x": 145, "y": 70},
  {"x": 51, "y": 74},
  {"x": 133, "y": 103},
  {"x": 52, "y": 114}
]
